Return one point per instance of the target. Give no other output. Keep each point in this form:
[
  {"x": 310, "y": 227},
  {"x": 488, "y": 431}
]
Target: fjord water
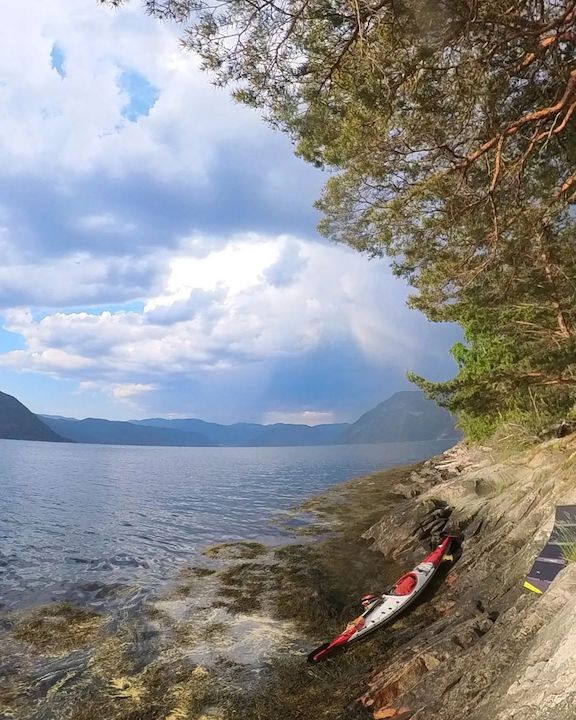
[{"x": 77, "y": 519}]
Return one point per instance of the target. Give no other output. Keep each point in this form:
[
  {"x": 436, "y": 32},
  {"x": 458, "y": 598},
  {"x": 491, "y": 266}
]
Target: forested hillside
[{"x": 449, "y": 129}]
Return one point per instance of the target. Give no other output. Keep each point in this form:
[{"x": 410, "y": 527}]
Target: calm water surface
[{"x": 80, "y": 518}]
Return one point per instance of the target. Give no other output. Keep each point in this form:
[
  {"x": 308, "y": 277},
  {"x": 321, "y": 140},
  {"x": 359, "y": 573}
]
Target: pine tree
[{"x": 450, "y": 130}]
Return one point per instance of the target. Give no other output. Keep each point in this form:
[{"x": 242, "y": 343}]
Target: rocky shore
[
  {"x": 495, "y": 650},
  {"x": 228, "y": 641}
]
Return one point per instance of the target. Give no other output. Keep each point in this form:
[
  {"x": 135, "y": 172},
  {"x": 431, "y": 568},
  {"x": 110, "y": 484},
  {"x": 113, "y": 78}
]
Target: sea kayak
[{"x": 387, "y": 606}]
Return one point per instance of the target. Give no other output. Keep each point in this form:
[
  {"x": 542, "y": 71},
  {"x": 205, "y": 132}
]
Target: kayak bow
[{"x": 387, "y": 606}]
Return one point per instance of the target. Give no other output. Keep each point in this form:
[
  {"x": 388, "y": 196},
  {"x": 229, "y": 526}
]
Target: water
[{"x": 83, "y": 518}]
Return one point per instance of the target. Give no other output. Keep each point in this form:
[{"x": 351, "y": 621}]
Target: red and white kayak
[{"x": 386, "y": 608}]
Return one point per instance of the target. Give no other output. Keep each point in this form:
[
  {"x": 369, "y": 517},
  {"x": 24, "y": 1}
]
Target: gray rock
[{"x": 495, "y": 651}]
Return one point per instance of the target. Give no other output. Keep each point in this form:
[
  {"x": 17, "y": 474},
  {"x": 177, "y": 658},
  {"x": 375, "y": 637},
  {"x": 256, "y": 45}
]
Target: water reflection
[{"x": 129, "y": 516}]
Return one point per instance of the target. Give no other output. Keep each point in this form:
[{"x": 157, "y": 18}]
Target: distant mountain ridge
[
  {"x": 115, "y": 432},
  {"x": 18, "y": 423},
  {"x": 405, "y": 417},
  {"x": 238, "y": 434},
  {"x": 253, "y": 434}
]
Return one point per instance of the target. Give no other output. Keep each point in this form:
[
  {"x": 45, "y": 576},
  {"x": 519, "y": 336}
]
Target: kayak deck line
[{"x": 388, "y": 605}]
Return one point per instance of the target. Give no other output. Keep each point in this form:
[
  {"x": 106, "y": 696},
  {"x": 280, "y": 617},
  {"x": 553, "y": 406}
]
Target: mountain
[
  {"x": 282, "y": 434},
  {"x": 238, "y": 434},
  {"x": 113, "y": 432},
  {"x": 253, "y": 434},
  {"x": 404, "y": 417},
  {"x": 18, "y": 423}
]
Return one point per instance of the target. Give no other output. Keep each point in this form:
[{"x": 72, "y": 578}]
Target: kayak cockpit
[{"x": 406, "y": 585}]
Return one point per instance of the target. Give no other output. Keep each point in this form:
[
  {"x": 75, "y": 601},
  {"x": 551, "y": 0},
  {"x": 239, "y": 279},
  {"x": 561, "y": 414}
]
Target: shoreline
[
  {"x": 460, "y": 652},
  {"x": 172, "y": 622},
  {"x": 82, "y": 523}
]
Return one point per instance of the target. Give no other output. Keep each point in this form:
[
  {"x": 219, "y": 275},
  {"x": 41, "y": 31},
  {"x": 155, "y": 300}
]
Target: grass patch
[
  {"x": 132, "y": 674},
  {"x": 58, "y": 628},
  {"x": 566, "y": 538},
  {"x": 13, "y": 693},
  {"x": 154, "y": 613},
  {"x": 214, "y": 631},
  {"x": 182, "y": 591},
  {"x": 190, "y": 578},
  {"x": 132, "y": 647},
  {"x": 319, "y": 585},
  {"x": 191, "y": 633}
]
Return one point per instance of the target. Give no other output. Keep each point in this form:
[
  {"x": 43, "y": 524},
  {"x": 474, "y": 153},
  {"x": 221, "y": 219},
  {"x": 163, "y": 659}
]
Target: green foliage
[
  {"x": 497, "y": 381},
  {"x": 567, "y": 539},
  {"x": 450, "y": 129}
]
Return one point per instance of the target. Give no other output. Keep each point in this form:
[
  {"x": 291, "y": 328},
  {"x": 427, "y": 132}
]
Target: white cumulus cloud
[
  {"x": 219, "y": 311},
  {"x": 157, "y": 240}
]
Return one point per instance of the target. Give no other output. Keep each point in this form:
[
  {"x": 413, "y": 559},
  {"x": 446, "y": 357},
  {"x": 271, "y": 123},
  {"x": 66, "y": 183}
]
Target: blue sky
[{"x": 158, "y": 243}]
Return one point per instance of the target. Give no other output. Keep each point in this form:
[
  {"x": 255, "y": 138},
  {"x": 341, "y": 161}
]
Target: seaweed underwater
[{"x": 227, "y": 641}]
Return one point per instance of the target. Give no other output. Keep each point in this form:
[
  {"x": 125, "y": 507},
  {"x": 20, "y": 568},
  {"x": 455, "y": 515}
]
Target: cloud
[
  {"x": 114, "y": 143},
  {"x": 129, "y": 390},
  {"x": 218, "y": 315},
  {"x": 197, "y": 303},
  {"x": 288, "y": 266},
  {"x": 158, "y": 241},
  {"x": 105, "y": 222},
  {"x": 113, "y": 92},
  {"x": 78, "y": 279},
  {"x": 306, "y": 417}
]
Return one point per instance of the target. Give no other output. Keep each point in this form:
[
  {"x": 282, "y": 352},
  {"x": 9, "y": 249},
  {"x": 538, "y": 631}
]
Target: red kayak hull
[{"x": 405, "y": 588}]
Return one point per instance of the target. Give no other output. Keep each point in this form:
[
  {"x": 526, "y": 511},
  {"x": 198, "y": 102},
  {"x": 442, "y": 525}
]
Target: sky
[{"x": 158, "y": 245}]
